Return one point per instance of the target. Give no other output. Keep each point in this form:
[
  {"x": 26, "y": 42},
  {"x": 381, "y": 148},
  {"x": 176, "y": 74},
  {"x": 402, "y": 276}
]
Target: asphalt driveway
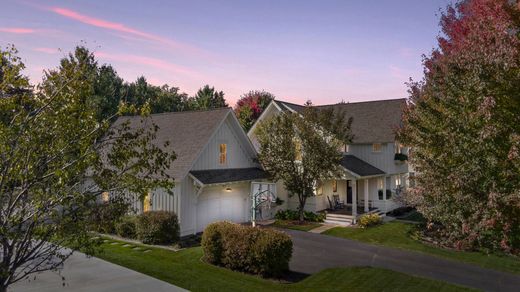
[
  {"x": 315, "y": 252},
  {"x": 93, "y": 274}
]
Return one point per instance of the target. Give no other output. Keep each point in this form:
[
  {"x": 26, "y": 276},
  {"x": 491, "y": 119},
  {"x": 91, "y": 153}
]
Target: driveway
[
  {"x": 315, "y": 252},
  {"x": 93, "y": 274}
]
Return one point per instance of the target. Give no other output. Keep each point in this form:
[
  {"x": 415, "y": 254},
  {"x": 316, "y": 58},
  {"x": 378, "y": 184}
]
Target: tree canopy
[
  {"x": 463, "y": 126},
  {"x": 250, "y": 106},
  {"x": 52, "y": 141},
  {"x": 302, "y": 149}
]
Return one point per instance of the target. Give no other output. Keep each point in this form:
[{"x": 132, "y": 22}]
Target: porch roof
[
  {"x": 215, "y": 176},
  {"x": 359, "y": 167}
]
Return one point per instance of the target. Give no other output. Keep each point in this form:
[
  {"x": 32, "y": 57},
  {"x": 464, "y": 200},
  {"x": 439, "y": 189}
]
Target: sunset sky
[{"x": 325, "y": 51}]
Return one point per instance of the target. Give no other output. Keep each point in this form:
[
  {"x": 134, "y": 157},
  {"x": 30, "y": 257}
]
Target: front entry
[{"x": 349, "y": 192}]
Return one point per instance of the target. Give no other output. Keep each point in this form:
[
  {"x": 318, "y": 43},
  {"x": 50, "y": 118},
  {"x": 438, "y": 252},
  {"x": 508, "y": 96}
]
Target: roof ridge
[
  {"x": 183, "y": 112},
  {"x": 339, "y": 103}
]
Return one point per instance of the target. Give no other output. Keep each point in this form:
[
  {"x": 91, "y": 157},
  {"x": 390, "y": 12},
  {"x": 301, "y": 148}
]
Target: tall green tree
[
  {"x": 302, "y": 149},
  {"x": 250, "y": 106},
  {"x": 463, "y": 126},
  {"x": 207, "y": 98},
  {"x": 51, "y": 143}
]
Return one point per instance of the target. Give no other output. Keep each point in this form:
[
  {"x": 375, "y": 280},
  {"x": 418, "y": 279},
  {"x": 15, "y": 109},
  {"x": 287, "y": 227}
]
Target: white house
[
  {"x": 371, "y": 166},
  {"x": 215, "y": 170}
]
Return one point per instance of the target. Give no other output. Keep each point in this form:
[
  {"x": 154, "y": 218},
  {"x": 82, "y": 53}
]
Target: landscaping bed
[{"x": 404, "y": 235}]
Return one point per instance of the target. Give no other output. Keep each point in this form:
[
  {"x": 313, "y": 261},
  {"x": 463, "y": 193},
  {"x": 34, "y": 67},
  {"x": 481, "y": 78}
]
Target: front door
[{"x": 349, "y": 192}]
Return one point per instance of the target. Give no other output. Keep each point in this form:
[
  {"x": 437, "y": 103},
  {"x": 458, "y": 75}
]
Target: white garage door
[{"x": 218, "y": 204}]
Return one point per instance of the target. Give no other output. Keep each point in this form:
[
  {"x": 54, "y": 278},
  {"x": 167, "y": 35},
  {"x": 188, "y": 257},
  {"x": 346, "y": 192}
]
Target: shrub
[
  {"x": 368, "y": 220},
  {"x": 106, "y": 214},
  {"x": 126, "y": 227},
  {"x": 400, "y": 211},
  {"x": 253, "y": 250},
  {"x": 293, "y": 215},
  {"x": 158, "y": 227}
]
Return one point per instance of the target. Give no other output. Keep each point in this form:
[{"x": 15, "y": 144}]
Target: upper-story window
[
  {"x": 376, "y": 147},
  {"x": 222, "y": 158}
]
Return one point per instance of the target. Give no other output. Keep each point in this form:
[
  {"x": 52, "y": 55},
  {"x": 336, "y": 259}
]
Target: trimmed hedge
[
  {"x": 264, "y": 252},
  {"x": 368, "y": 220},
  {"x": 158, "y": 227},
  {"x": 293, "y": 215},
  {"x": 127, "y": 227}
]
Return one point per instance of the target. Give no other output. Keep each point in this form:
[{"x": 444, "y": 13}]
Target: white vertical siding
[
  {"x": 383, "y": 160},
  {"x": 188, "y": 206},
  {"x": 237, "y": 156}
]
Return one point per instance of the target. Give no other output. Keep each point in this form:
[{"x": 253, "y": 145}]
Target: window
[
  {"x": 379, "y": 183},
  {"x": 398, "y": 148},
  {"x": 223, "y": 154},
  {"x": 376, "y": 147},
  {"x": 334, "y": 186},
  {"x": 347, "y": 148},
  {"x": 319, "y": 188},
  {"x": 147, "y": 202},
  {"x": 105, "y": 196},
  {"x": 397, "y": 180}
]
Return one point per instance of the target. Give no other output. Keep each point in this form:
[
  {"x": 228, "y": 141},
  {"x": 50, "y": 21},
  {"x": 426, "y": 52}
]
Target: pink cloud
[
  {"x": 17, "y": 30},
  {"x": 119, "y": 27},
  {"x": 147, "y": 61},
  {"x": 46, "y": 50}
]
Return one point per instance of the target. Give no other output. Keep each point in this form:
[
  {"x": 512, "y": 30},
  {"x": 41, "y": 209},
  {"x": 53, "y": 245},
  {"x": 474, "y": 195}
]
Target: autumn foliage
[{"x": 463, "y": 126}]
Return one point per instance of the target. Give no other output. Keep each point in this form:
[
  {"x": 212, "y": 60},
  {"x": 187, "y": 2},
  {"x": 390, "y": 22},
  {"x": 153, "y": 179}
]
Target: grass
[
  {"x": 185, "y": 269},
  {"x": 295, "y": 225},
  {"x": 399, "y": 235}
]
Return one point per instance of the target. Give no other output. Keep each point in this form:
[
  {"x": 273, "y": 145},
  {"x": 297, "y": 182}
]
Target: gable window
[
  {"x": 222, "y": 153},
  {"x": 376, "y": 147},
  {"x": 147, "y": 202},
  {"x": 334, "y": 186}
]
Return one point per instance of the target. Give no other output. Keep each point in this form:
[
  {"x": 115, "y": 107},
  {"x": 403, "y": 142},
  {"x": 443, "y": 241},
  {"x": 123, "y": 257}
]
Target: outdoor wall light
[{"x": 228, "y": 189}]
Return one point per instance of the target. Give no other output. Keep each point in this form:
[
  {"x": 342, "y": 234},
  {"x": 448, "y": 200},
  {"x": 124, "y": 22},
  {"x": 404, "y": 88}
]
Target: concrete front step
[{"x": 341, "y": 223}]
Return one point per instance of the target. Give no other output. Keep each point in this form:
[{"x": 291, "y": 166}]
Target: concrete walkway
[
  {"x": 323, "y": 228},
  {"x": 315, "y": 252},
  {"x": 93, "y": 274}
]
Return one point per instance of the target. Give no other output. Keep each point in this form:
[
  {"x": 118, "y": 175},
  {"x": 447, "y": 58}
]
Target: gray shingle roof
[
  {"x": 359, "y": 167},
  {"x": 213, "y": 176},
  {"x": 373, "y": 121},
  {"x": 188, "y": 133}
]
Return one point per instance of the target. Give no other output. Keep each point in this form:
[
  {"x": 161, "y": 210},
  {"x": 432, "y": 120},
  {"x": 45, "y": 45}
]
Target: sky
[{"x": 324, "y": 51}]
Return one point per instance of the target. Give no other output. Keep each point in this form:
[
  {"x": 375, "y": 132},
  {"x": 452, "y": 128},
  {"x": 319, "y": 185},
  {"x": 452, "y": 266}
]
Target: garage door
[{"x": 218, "y": 204}]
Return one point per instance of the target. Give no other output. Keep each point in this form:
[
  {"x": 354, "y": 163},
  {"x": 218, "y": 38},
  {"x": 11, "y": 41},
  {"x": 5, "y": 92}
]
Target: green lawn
[
  {"x": 185, "y": 269},
  {"x": 295, "y": 225},
  {"x": 398, "y": 234}
]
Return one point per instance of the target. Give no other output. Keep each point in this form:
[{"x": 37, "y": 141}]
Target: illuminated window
[
  {"x": 319, "y": 188},
  {"x": 376, "y": 147},
  {"x": 298, "y": 150},
  {"x": 223, "y": 153},
  {"x": 397, "y": 180},
  {"x": 380, "y": 184},
  {"x": 105, "y": 196},
  {"x": 147, "y": 202},
  {"x": 398, "y": 148},
  {"x": 334, "y": 186}
]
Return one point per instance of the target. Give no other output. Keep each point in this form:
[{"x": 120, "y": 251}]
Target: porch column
[
  {"x": 366, "y": 195},
  {"x": 384, "y": 191},
  {"x": 354, "y": 201}
]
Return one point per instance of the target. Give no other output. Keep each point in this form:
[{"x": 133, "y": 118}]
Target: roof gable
[{"x": 188, "y": 133}]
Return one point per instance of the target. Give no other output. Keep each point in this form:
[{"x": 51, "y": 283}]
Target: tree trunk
[{"x": 301, "y": 208}]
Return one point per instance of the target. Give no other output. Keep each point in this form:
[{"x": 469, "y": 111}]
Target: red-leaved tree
[
  {"x": 463, "y": 126},
  {"x": 250, "y": 106}
]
